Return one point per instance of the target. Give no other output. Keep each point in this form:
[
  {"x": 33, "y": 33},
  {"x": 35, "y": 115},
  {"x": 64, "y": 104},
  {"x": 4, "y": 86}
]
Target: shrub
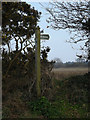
[
  {"x": 77, "y": 89},
  {"x": 43, "y": 107}
]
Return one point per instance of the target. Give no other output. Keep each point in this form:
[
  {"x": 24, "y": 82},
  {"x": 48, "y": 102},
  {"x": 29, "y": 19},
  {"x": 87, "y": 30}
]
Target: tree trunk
[
  {"x": 16, "y": 45},
  {"x": 21, "y": 44},
  {"x": 8, "y": 47}
]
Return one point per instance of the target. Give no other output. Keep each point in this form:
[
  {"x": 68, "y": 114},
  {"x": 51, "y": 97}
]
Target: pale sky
[{"x": 57, "y": 42}]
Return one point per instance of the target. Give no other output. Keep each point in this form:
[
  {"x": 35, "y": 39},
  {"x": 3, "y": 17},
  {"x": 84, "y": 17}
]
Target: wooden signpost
[{"x": 38, "y": 37}]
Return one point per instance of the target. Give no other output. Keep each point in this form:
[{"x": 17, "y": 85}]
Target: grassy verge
[{"x": 70, "y": 100}]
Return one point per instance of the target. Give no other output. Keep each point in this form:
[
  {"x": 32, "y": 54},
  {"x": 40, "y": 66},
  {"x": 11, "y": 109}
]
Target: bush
[
  {"x": 77, "y": 89},
  {"x": 43, "y": 107}
]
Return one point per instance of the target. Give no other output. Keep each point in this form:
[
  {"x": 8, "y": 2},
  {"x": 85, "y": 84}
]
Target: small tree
[
  {"x": 58, "y": 63},
  {"x": 19, "y": 22},
  {"x": 74, "y": 16}
]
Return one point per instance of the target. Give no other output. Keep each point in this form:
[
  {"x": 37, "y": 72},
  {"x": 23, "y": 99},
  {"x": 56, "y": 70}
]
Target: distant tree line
[{"x": 78, "y": 63}]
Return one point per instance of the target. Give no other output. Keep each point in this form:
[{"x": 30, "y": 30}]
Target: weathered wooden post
[
  {"x": 37, "y": 62},
  {"x": 38, "y": 37}
]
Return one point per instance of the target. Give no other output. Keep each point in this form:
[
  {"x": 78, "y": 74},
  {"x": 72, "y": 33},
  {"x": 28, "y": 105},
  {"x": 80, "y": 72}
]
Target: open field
[{"x": 61, "y": 73}]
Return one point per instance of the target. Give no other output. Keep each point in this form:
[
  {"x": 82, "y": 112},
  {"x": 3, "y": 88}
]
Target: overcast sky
[{"x": 57, "y": 42}]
